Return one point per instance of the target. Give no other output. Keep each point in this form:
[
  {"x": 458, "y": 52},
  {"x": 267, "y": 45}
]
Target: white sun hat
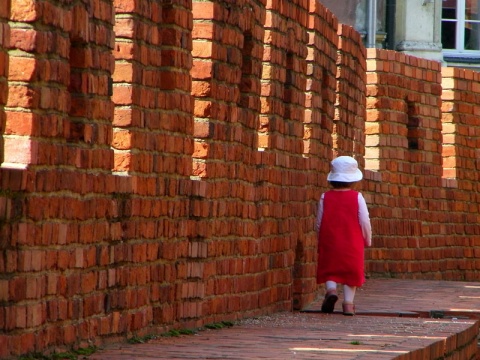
[{"x": 345, "y": 169}]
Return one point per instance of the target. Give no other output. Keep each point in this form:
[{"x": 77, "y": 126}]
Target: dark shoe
[
  {"x": 329, "y": 302},
  {"x": 348, "y": 309}
]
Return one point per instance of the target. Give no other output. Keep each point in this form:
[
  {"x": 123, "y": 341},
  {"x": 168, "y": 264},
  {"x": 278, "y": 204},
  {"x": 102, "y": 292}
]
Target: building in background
[{"x": 443, "y": 30}]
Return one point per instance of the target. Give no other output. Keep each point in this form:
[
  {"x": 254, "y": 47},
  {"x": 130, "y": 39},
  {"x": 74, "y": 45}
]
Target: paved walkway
[{"x": 396, "y": 319}]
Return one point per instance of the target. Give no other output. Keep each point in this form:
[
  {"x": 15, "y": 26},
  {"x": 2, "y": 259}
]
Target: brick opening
[
  {"x": 77, "y": 88},
  {"x": 289, "y": 83},
  {"x": 248, "y": 103},
  {"x": 413, "y": 127}
]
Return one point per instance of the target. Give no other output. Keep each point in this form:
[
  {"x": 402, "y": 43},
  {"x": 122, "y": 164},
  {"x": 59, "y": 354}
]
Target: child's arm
[
  {"x": 364, "y": 219},
  {"x": 318, "y": 221}
]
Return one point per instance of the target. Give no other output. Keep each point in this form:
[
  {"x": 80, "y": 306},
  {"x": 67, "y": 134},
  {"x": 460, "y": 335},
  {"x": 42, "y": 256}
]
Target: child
[{"x": 344, "y": 229}]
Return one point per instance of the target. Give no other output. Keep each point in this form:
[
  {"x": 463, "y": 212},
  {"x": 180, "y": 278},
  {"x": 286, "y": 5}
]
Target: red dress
[{"x": 340, "y": 240}]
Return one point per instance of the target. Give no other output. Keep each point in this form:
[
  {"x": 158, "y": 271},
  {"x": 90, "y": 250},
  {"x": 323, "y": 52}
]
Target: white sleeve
[
  {"x": 364, "y": 219},
  {"x": 319, "y": 214}
]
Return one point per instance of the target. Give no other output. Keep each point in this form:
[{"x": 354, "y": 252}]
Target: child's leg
[
  {"x": 331, "y": 297},
  {"x": 348, "y": 296},
  {"x": 349, "y": 293}
]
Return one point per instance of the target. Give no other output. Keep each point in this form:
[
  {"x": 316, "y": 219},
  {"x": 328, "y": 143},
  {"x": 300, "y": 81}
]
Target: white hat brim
[{"x": 342, "y": 177}]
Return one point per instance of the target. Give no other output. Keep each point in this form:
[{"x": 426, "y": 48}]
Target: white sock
[
  {"x": 331, "y": 285},
  {"x": 349, "y": 293}
]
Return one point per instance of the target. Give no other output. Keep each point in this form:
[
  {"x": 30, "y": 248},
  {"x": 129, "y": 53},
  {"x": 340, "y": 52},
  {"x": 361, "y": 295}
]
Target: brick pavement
[{"x": 393, "y": 321}]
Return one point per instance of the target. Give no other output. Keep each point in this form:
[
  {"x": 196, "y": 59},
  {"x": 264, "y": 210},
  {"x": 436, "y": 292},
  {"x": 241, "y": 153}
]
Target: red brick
[
  {"x": 79, "y": 29},
  {"x": 19, "y": 123},
  {"x": 200, "y": 150},
  {"x": 123, "y": 72},
  {"x": 125, "y": 28},
  {"x": 4, "y": 341},
  {"x": 20, "y": 151},
  {"x": 202, "y": 70},
  {"x": 203, "y": 30},
  {"x": 122, "y": 140},
  {"x": 202, "y": 10},
  {"x": 202, "y": 108},
  {"x": 202, "y": 129},
  {"x": 124, "y": 6},
  {"x": 202, "y": 49},
  {"x": 122, "y": 95},
  {"x": 22, "y": 96},
  {"x": 22, "y": 69},
  {"x": 122, "y": 161},
  {"x": 24, "y": 10}
]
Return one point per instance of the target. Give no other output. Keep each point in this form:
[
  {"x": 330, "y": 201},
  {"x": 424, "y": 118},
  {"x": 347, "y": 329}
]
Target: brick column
[{"x": 56, "y": 92}]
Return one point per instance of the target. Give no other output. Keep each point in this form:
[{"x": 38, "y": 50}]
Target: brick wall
[
  {"x": 403, "y": 142},
  {"x": 349, "y": 121},
  {"x": 460, "y": 152},
  {"x": 4, "y": 41},
  {"x": 422, "y": 168},
  {"x": 162, "y": 163}
]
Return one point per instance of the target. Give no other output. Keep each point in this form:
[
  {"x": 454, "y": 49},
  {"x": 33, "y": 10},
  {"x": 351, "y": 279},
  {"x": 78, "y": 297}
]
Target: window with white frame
[{"x": 461, "y": 27}]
